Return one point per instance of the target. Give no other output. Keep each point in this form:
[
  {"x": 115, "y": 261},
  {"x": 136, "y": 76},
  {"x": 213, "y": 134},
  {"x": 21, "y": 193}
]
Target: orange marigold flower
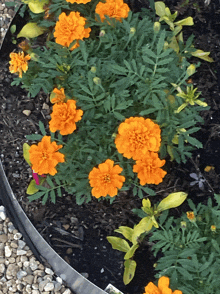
[
  {"x": 191, "y": 216},
  {"x": 148, "y": 169},
  {"x": 59, "y": 95},
  {"x": 113, "y": 8},
  {"x": 19, "y": 63},
  {"x": 70, "y": 28},
  {"x": 105, "y": 179},
  {"x": 136, "y": 136},
  {"x": 64, "y": 117},
  {"x": 44, "y": 156},
  {"x": 78, "y": 1},
  {"x": 163, "y": 287}
]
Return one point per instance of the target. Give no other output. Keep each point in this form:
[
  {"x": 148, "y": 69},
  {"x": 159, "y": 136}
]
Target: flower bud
[
  {"x": 157, "y": 26},
  {"x": 191, "y": 216},
  {"x": 93, "y": 69},
  {"x": 191, "y": 69},
  {"x": 213, "y": 228},
  {"x": 97, "y": 80},
  {"x": 166, "y": 45},
  {"x": 132, "y": 31},
  {"x": 102, "y": 33},
  {"x": 183, "y": 224},
  {"x": 114, "y": 135}
]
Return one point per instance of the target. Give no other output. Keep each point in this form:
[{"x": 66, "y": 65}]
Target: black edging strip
[{"x": 39, "y": 246}]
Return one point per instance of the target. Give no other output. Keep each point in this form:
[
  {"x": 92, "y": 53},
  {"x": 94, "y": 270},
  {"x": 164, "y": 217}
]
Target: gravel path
[{"x": 20, "y": 272}]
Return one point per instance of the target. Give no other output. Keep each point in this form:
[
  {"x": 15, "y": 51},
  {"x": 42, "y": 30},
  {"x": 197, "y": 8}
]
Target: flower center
[
  {"x": 44, "y": 155},
  {"x": 107, "y": 178}
]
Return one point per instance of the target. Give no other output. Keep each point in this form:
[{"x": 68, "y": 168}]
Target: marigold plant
[
  {"x": 64, "y": 117},
  {"x": 105, "y": 179},
  {"x": 44, "y": 156},
  {"x": 19, "y": 63},
  {"x": 113, "y": 8},
  {"x": 70, "y": 28}
]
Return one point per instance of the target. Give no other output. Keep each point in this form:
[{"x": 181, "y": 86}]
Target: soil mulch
[{"x": 79, "y": 234}]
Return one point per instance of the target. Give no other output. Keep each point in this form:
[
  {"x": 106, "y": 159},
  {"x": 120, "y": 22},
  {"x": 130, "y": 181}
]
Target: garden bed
[{"x": 78, "y": 233}]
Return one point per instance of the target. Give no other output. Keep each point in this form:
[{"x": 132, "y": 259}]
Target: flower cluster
[
  {"x": 19, "y": 63},
  {"x": 139, "y": 138},
  {"x": 113, "y": 8},
  {"x": 163, "y": 287}
]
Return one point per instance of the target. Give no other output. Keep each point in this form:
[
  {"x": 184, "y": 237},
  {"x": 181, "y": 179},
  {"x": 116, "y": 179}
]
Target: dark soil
[{"x": 78, "y": 234}]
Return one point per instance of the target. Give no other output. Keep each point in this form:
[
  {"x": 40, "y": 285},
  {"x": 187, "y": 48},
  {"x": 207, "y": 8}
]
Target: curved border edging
[{"x": 39, "y": 246}]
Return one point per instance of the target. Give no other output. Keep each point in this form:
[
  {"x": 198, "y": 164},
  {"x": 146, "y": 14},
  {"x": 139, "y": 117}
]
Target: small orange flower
[
  {"x": 163, "y": 287},
  {"x": 44, "y": 156},
  {"x": 191, "y": 216},
  {"x": 18, "y": 63},
  {"x": 148, "y": 169},
  {"x": 213, "y": 228},
  {"x": 105, "y": 179},
  {"x": 78, "y": 1},
  {"x": 70, "y": 28},
  {"x": 136, "y": 136},
  {"x": 113, "y": 8},
  {"x": 58, "y": 95},
  {"x": 64, "y": 117}
]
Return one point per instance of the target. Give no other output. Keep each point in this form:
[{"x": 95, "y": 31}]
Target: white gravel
[{"x": 20, "y": 272}]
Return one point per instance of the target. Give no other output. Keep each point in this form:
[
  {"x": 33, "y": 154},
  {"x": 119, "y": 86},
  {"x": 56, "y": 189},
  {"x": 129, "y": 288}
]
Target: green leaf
[
  {"x": 32, "y": 188},
  {"x": 36, "y": 196},
  {"x": 148, "y": 60},
  {"x": 53, "y": 196},
  {"x": 44, "y": 200},
  {"x": 13, "y": 29},
  {"x": 165, "y": 61},
  {"x": 31, "y": 30},
  {"x": 42, "y": 128},
  {"x": 118, "y": 115},
  {"x": 130, "y": 267},
  {"x": 26, "y": 154},
  {"x": 160, "y": 43},
  {"x": 126, "y": 232},
  {"x": 49, "y": 181},
  {"x": 34, "y": 137},
  {"x": 149, "y": 52},
  {"x": 118, "y": 243},
  {"x": 193, "y": 141},
  {"x": 131, "y": 251}
]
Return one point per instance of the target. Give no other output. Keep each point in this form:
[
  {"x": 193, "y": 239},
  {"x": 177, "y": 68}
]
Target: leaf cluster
[{"x": 191, "y": 250}]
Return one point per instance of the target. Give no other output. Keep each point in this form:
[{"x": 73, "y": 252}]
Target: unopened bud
[
  {"x": 191, "y": 69},
  {"x": 166, "y": 45},
  {"x": 157, "y": 26},
  {"x": 114, "y": 135},
  {"x": 93, "y": 69},
  {"x": 213, "y": 228},
  {"x": 183, "y": 224},
  {"x": 102, "y": 33},
  {"x": 97, "y": 80},
  {"x": 132, "y": 31}
]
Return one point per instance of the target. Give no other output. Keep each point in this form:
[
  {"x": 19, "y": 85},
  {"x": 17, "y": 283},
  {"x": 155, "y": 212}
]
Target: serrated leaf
[
  {"x": 44, "y": 200},
  {"x": 130, "y": 267},
  {"x": 31, "y": 30},
  {"x": 36, "y": 196},
  {"x": 42, "y": 128},
  {"x": 160, "y": 43},
  {"x": 34, "y": 137},
  {"x": 118, "y": 115},
  {"x": 118, "y": 243}
]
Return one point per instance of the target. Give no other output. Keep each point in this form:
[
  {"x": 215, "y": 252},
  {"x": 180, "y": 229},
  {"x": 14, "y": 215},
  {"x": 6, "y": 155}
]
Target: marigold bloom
[
  {"x": 19, "y": 63},
  {"x": 59, "y": 95},
  {"x": 191, "y": 216},
  {"x": 163, "y": 287},
  {"x": 113, "y": 8},
  {"x": 78, "y": 1},
  {"x": 213, "y": 228},
  {"x": 105, "y": 179},
  {"x": 44, "y": 156},
  {"x": 148, "y": 169},
  {"x": 136, "y": 136},
  {"x": 64, "y": 117},
  {"x": 70, "y": 28}
]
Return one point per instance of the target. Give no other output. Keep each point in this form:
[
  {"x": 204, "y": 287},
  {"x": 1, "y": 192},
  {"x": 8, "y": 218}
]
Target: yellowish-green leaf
[
  {"x": 130, "y": 267},
  {"x": 31, "y": 30},
  {"x": 32, "y": 188},
  {"x": 118, "y": 243},
  {"x": 174, "y": 44},
  {"x": 191, "y": 69},
  {"x": 131, "y": 251},
  {"x": 168, "y": 21},
  {"x": 52, "y": 95},
  {"x": 203, "y": 55},
  {"x": 26, "y": 154},
  {"x": 170, "y": 152},
  {"x": 172, "y": 200},
  {"x": 167, "y": 11},
  {"x": 145, "y": 225},
  {"x": 37, "y": 6},
  {"x": 160, "y": 8},
  {"x": 185, "y": 22},
  {"x": 201, "y": 103},
  {"x": 126, "y": 232},
  {"x": 180, "y": 37},
  {"x": 146, "y": 203}
]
